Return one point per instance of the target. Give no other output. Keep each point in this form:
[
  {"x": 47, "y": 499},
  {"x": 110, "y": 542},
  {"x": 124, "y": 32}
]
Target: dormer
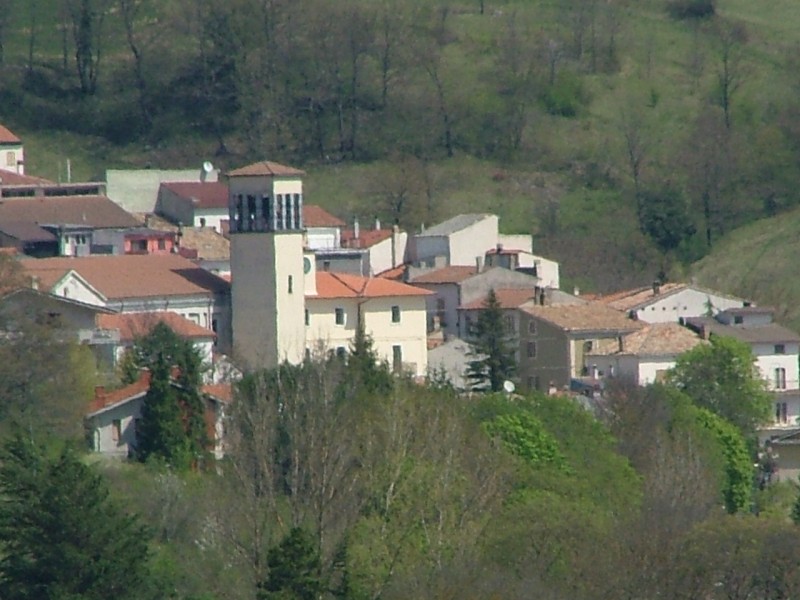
[{"x": 265, "y": 197}]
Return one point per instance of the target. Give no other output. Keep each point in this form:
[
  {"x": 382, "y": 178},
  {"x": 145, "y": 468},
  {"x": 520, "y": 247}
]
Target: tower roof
[{"x": 266, "y": 168}]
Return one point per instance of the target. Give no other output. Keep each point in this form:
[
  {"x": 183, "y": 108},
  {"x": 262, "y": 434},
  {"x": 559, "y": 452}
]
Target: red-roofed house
[
  {"x": 112, "y": 416},
  {"x": 12, "y": 155},
  {"x": 194, "y": 203},
  {"x": 392, "y": 314}
]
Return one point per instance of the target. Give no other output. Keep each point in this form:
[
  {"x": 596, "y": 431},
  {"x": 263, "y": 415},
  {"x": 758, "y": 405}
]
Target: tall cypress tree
[
  {"x": 61, "y": 537},
  {"x": 161, "y": 433},
  {"x": 494, "y": 359}
]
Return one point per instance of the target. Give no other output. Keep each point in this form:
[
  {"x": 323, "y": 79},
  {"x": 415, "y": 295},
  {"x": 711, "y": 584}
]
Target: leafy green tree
[
  {"x": 294, "y": 567},
  {"x": 365, "y": 367},
  {"x": 494, "y": 361},
  {"x": 664, "y": 217},
  {"x": 523, "y": 435},
  {"x": 161, "y": 433},
  {"x": 722, "y": 377},
  {"x": 61, "y": 537}
]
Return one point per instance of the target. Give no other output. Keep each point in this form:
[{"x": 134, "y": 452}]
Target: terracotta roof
[
  {"x": 7, "y": 137},
  {"x": 625, "y": 300},
  {"x": 452, "y": 274},
  {"x": 134, "y": 325},
  {"x": 397, "y": 273},
  {"x": 26, "y": 232},
  {"x": 131, "y": 275},
  {"x": 219, "y": 391},
  {"x": 203, "y": 194},
  {"x": 341, "y": 285},
  {"x": 266, "y": 168},
  {"x": 14, "y": 178},
  {"x": 316, "y": 216},
  {"x": 655, "y": 339},
  {"x": 508, "y": 298},
  {"x": 103, "y": 399},
  {"x": 366, "y": 237},
  {"x": 92, "y": 211},
  {"x": 592, "y": 316}
]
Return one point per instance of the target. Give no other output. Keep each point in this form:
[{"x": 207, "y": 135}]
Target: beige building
[{"x": 12, "y": 155}]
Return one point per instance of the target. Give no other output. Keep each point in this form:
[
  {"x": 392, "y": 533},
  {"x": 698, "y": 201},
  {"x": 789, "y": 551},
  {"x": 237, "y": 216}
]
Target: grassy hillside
[{"x": 758, "y": 261}]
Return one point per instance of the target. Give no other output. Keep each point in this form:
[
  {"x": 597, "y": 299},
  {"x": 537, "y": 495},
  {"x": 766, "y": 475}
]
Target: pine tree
[
  {"x": 160, "y": 433},
  {"x": 367, "y": 371},
  {"x": 294, "y": 566},
  {"x": 494, "y": 358},
  {"x": 61, "y": 537}
]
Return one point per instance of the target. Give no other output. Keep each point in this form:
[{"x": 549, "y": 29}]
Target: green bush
[
  {"x": 566, "y": 96},
  {"x": 691, "y": 9}
]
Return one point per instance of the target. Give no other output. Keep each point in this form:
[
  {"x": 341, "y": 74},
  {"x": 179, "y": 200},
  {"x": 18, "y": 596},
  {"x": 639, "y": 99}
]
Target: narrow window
[
  {"x": 780, "y": 378},
  {"x": 510, "y": 326},
  {"x": 531, "y": 349},
  {"x": 291, "y": 285},
  {"x": 397, "y": 358},
  {"x": 340, "y": 316},
  {"x": 116, "y": 430},
  {"x": 11, "y": 160},
  {"x": 532, "y": 327},
  {"x": 308, "y": 318},
  {"x": 162, "y": 244},
  {"x": 395, "y": 314}
]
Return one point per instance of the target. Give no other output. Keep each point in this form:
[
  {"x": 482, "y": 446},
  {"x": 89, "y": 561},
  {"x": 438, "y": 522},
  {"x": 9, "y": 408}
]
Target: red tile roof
[
  {"x": 14, "y": 178},
  {"x": 130, "y": 275},
  {"x": 220, "y": 391},
  {"x": 366, "y": 238},
  {"x": 316, "y": 216},
  {"x": 397, "y": 273},
  {"x": 92, "y": 211},
  {"x": 266, "y": 168},
  {"x": 508, "y": 298},
  {"x": 341, "y": 285},
  {"x": 133, "y": 325},
  {"x": 103, "y": 399},
  {"x": 7, "y": 137},
  {"x": 452, "y": 274},
  {"x": 203, "y": 194}
]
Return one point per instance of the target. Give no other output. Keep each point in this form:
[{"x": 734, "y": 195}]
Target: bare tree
[
  {"x": 87, "y": 17},
  {"x": 730, "y": 39}
]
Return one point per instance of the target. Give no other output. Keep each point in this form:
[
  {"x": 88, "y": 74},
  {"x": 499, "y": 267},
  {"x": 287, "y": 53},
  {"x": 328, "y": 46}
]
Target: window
[
  {"x": 308, "y": 318},
  {"x": 533, "y": 382},
  {"x": 531, "y": 349},
  {"x": 202, "y": 221},
  {"x": 291, "y": 285},
  {"x": 341, "y": 352},
  {"x": 510, "y": 324},
  {"x": 116, "y": 430},
  {"x": 738, "y": 320},
  {"x": 326, "y": 265},
  {"x": 395, "y": 314},
  {"x": 162, "y": 244},
  {"x": 397, "y": 358},
  {"x": 587, "y": 347},
  {"x": 340, "y": 316},
  {"x": 195, "y": 317},
  {"x": 532, "y": 327},
  {"x": 781, "y": 412},
  {"x": 780, "y": 378},
  {"x": 11, "y": 159},
  {"x": 780, "y": 349}
]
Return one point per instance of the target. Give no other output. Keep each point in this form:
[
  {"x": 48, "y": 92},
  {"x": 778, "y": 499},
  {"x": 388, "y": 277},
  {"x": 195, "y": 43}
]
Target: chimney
[
  {"x": 656, "y": 287},
  {"x": 479, "y": 264},
  {"x": 395, "y": 235},
  {"x": 620, "y": 344},
  {"x": 377, "y": 224},
  {"x": 542, "y": 297},
  {"x": 356, "y": 229}
]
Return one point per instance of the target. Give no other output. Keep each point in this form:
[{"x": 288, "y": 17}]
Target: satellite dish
[
  {"x": 509, "y": 386},
  {"x": 208, "y": 167}
]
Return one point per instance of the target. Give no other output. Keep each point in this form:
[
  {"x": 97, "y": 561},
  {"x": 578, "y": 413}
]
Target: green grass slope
[{"x": 758, "y": 261}]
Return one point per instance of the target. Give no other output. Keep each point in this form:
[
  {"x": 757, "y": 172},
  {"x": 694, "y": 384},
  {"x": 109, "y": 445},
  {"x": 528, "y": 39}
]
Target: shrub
[{"x": 691, "y": 9}]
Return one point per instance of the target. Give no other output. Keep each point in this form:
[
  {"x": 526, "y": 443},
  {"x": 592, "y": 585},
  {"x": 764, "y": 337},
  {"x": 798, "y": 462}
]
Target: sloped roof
[
  {"x": 7, "y": 137},
  {"x": 266, "y": 168},
  {"x": 634, "y": 299},
  {"x": 14, "y": 178},
  {"x": 26, "y": 231},
  {"x": 91, "y": 211},
  {"x": 452, "y": 274},
  {"x": 134, "y": 325},
  {"x": 316, "y": 216},
  {"x": 592, "y": 316},
  {"x": 454, "y": 224},
  {"x": 341, "y": 285},
  {"x": 770, "y": 333},
  {"x": 508, "y": 298},
  {"x": 366, "y": 237},
  {"x": 655, "y": 339},
  {"x": 397, "y": 273},
  {"x": 203, "y": 194},
  {"x": 131, "y": 276}
]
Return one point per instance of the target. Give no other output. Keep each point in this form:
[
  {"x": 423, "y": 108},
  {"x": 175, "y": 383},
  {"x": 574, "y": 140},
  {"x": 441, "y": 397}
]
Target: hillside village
[{"x": 240, "y": 264}]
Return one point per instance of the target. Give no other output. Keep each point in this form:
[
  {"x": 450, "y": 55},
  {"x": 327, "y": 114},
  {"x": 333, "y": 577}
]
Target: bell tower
[{"x": 265, "y": 203}]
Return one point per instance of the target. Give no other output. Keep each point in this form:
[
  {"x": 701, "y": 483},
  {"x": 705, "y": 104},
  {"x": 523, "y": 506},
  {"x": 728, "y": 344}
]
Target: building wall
[
  {"x": 323, "y": 334},
  {"x": 425, "y": 249},
  {"x": 449, "y": 294},
  {"x": 103, "y": 428},
  {"x": 137, "y": 190},
  {"x": 323, "y": 238},
  {"x": 546, "y": 270},
  {"x": 73, "y": 288},
  {"x": 688, "y": 302},
  {"x": 767, "y": 361},
  {"x": 516, "y": 242},
  {"x": 387, "y": 254},
  {"x": 472, "y": 242},
  {"x": 12, "y": 158},
  {"x": 478, "y": 286},
  {"x": 213, "y": 217},
  {"x": 268, "y": 319},
  {"x": 174, "y": 207},
  {"x": 788, "y": 462},
  {"x": 551, "y": 364}
]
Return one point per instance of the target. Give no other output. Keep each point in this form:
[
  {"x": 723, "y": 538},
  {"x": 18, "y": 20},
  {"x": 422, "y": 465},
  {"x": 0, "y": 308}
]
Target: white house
[
  {"x": 644, "y": 356},
  {"x": 136, "y": 190},
  {"x": 194, "y": 203},
  {"x": 12, "y": 154},
  {"x": 139, "y": 283},
  {"x": 670, "y": 302},
  {"x": 113, "y": 415},
  {"x": 391, "y": 313}
]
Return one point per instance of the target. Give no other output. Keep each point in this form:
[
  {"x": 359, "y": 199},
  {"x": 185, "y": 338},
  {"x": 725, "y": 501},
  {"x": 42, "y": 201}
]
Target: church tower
[{"x": 265, "y": 201}]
